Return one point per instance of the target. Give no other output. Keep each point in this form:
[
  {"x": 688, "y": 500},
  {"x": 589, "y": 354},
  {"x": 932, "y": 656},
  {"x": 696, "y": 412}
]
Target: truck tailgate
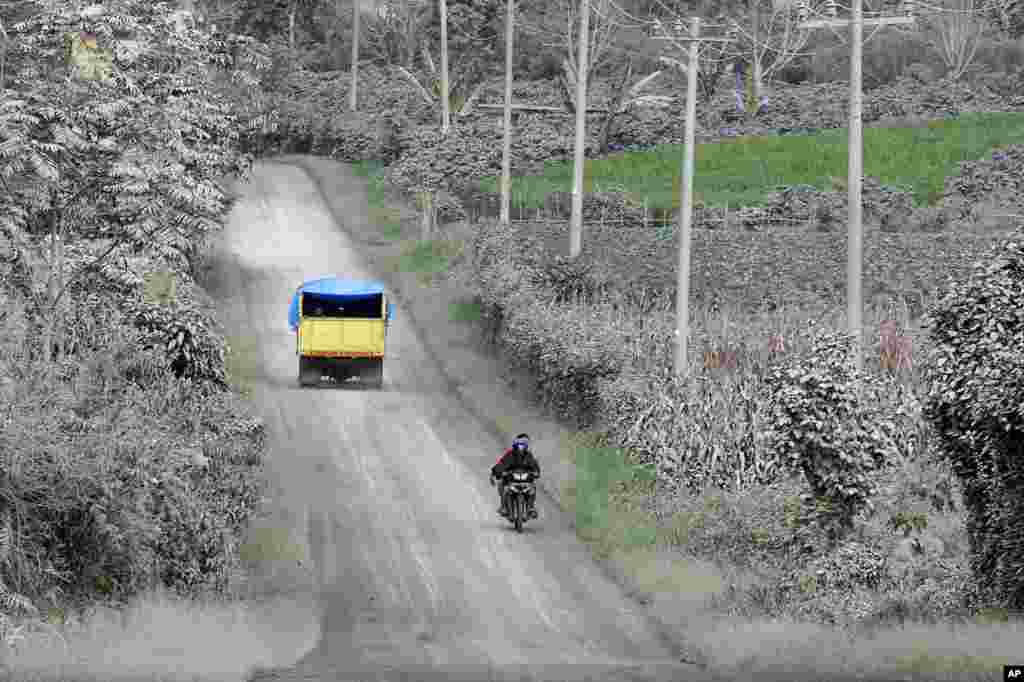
[{"x": 333, "y": 337}]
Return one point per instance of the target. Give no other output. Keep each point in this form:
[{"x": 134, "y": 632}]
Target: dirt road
[{"x": 414, "y": 570}]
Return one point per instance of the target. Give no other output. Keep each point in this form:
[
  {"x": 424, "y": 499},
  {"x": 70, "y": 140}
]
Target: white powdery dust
[{"x": 178, "y": 640}]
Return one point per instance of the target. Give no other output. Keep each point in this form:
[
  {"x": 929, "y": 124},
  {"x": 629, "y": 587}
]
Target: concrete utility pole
[
  {"x": 446, "y": 114},
  {"x": 755, "y": 58},
  {"x": 506, "y": 150},
  {"x": 355, "y": 55},
  {"x": 855, "y": 229},
  {"x": 682, "y": 364},
  {"x": 579, "y": 155}
]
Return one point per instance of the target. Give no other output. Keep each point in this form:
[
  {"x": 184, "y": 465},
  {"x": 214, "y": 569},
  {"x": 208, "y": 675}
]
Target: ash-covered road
[{"x": 417, "y": 576}]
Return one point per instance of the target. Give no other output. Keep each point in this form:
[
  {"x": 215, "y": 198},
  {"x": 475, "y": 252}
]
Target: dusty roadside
[
  {"x": 495, "y": 393},
  {"x": 673, "y": 592}
]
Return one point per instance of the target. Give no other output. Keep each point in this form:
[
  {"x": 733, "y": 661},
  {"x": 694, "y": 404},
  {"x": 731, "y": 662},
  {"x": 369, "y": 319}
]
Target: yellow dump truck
[{"x": 340, "y": 329}]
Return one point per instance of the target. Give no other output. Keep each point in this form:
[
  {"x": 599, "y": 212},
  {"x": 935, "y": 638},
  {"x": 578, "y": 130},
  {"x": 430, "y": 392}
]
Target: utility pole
[
  {"x": 446, "y": 116},
  {"x": 579, "y": 155},
  {"x": 855, "y": 167},
  {"x": 755, "y": 58},
  {"x": 506, "y": 150},
  {"x": 355, "y": 56},
  {"x": 682, "y": 364}
]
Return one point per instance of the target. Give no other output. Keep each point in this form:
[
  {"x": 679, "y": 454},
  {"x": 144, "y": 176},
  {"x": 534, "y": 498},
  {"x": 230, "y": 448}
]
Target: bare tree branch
[
  {"x": 959, "y": 29},
  {"x": 419, "y": 86}
]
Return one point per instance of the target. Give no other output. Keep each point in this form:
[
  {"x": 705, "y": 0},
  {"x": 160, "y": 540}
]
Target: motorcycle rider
[{"x": 517, "y": 458}]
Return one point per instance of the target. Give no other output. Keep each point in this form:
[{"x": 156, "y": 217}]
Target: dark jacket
[{"x": 515, "y": 460}]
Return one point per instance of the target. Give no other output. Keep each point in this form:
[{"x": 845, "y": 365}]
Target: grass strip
[{"x": 742, "y": 171}]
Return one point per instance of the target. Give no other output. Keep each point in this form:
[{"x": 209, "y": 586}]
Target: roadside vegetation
[
  {"x": 805, "y": 511},
  {"x": 687, "y": 486},
  {"x": 130, "y": 463},
  {"x": 683, "y": 486}
]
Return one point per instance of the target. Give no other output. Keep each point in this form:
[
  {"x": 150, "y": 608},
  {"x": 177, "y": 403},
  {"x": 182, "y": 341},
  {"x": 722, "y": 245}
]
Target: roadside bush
[
  {"x": 554, "y": 343},
  {"x": 976, "y": 378},
  {"x": 697, "y": 436},
  {"x": 537, "y": 332},
  {"x": 353, "y": 137},
  {"x": 345, "y": 136},
  {"x": 568, "y": 280},
  {"x": 118, "y": 487},
  {"x": 185, "y": 337},
  {"x": 835, "y": 435}
]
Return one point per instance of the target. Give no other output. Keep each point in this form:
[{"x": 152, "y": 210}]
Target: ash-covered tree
[
  {"x": 975, "y": 378},
  {"x": 392, "y": 35},
  {"x": 118, "y": 129},
  {"x": 476, "y": 44}
]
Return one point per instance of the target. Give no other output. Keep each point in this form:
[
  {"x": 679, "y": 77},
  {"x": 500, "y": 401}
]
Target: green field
[{"x": 743, "y": 170}]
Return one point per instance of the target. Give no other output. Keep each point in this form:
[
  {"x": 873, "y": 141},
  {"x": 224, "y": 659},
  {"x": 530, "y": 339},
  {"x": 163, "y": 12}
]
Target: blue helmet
[{"x": 522, "y": 442}]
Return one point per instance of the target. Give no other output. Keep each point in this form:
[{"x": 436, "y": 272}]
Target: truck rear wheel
[
  {"x": 309, "y": 372},
  {"x": 373, "y": 373}
]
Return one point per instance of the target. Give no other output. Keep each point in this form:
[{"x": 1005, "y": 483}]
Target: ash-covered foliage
[
  {"x": 976, "y": 379},
  {"x": 126, "y": 464}
]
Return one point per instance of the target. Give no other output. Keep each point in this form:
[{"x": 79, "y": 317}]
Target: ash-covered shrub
[
  {"x": 472, "y": 150},
  {"x": 975, "y": 375},
  {"x": 567, "y": 280},
  {"x": 826, "y": 211},
  {"x": 116, "y": 487},
  {"x": 908, "y": 96},
  {"x": 995, "y": 182},
  {"x": 697, "y": 435},
  {"x": 187, "y": 339},
  {"x": 826, "y": 424},
  {"x": 388, "y": 104},
  {"x": 518, "y": 289}
]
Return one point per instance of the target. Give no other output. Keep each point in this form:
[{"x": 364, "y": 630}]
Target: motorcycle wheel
[{"x": 518, "y": 514}]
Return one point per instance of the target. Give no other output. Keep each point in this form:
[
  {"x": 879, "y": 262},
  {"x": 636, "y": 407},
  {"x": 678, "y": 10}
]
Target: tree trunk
[
  {"x": 3, "y": 56},
  {"x": 568, "y": 90},
  {"x": 54, "y": 285},
  {"x": 410, "y": 34},
  {"x": 291, "y": 24},
  {"x": 355, "y": 56},
  {"x": 615, "y": 108}
]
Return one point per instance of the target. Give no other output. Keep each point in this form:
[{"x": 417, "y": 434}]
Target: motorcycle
[{"x": 521, "y": 497}]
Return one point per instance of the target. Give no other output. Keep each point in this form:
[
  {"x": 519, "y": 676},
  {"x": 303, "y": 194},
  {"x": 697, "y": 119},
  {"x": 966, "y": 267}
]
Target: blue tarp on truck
[{"x": 334, "y": 288}]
